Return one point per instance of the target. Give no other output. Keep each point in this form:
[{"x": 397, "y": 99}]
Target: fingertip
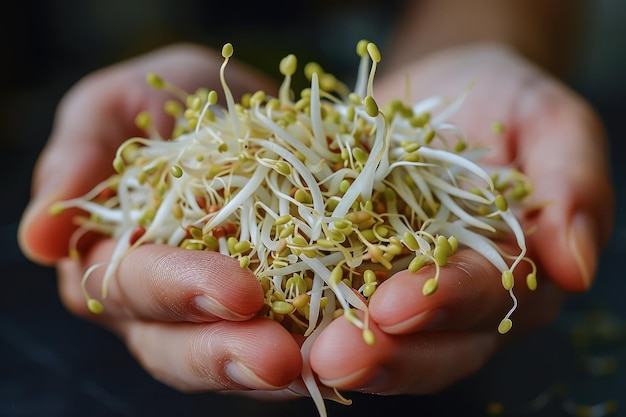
[
  {"x": 257, "y": 354},
  {"x": 42, "y": 237},
  {"x": 583, "y": 247},
  {"x": 342, "y": 359},
  {"x": 282, "y": 360},
  {"x": 213, "y": 284},
  {"x": 399, "y": 305},
  {"x": 574, "y": 270},
  {"x": 567, "y": 247}
]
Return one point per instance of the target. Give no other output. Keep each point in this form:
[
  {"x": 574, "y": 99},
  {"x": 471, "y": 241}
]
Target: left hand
[{"x": 424, "y": 344}]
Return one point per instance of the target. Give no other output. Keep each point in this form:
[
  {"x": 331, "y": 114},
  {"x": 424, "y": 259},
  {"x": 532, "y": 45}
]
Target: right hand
[{"x": 186, "y": 324}]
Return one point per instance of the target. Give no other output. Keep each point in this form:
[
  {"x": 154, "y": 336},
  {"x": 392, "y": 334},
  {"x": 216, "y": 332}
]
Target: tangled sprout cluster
[{"x": 320, "y": 195}]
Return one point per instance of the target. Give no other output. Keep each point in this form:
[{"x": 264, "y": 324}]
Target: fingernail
[
  {"x": 427, "y": 320},
  {"x": 242, "y": 375},
  {"x": 346, "y": 380},
  {"x": 39, "y": 204},
  {"x": 214, "y": 308},
  {"x": 376, "y": 384},
  {"x": 379, "y": 384},
  {"x": 582, "y": 242}
]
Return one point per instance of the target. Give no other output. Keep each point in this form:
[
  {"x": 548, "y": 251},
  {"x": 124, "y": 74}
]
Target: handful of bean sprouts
[{"x": 321, "y": 196}]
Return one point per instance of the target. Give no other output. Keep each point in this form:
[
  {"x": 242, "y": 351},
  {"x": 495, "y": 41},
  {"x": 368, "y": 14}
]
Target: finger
[
  {"x": 550, "y": 134},
  {"x": 562, "y": 148},
  {"x": 257, "y": 354},
  {"x": 420, "y": 363},
  {"x": 470, "y": 296},
  {"x": 94, "y": 118},
  {"x": 162, "y": 283}
]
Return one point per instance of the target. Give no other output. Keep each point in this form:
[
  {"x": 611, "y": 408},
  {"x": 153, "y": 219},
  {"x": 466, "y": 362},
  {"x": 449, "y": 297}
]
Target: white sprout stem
[
  {"x": 479, "y": 244},
  {"x": 462, "y": 214},
  {"x": 288, "y": 138},
  {"x": 514, "y": 307},
  {"x": 320, "y": 269},
  {"x": 307, "y": 372},
  {"x": 161, "y": 215},
  {"x": 401, "y": 188},
  {"x": 284, "y": 91},
  {"x": 449, "y": 111},
  {"x": 230, "y": 101},
  {"x": 422, "y": 185},
  {"x": 314, "y": 304},
  {"x": 455, "y": 159},
  {"x": 453, "y": 190},
  {"x": 363, "y": 184},
  {"x": 511, "y": 221},
  {"x": 105, "y": 214},
  {"x": 327, "y": 260},
  {"x": 121, "y": 250},
  {"x": 87, "y": 274},
  {"x": 316, "y": 113},
  {"x": 316, "y": 193},
  {"x": 242, "y": 195},
  {"x": 427, "y": 105},
  {"x": 362, "y": 76}
]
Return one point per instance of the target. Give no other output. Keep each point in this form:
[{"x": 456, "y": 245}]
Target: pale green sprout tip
[
  {"x": 311, "y": 68},
  {"x": 453, "y": 241},
  {"x": 95, "y": 306},
  {"x": 501, "y": 203},
  {"x": 119, "y": 165},
  {"x": 497, "y": 127},
  {"x": 508, "y": 280},
  {"x": 417, "y": 263},
  {"x": 56, "y": 209},
  {"x": 362, "y": 47},
  {"x": 155, "y": 81},
  {"x": 440, "y": 255},
  {"x": 176, "y": 171},
  {"x": 227, "y": 50},
  {"x": 410, "y": 241},
  {"x": 368, "y": 337},
  {"x": 212, "y": 97},
  {"x": 373, "y": 52},
  {"x": 531, "y": 281},
  {"x": 445, "y": 245},
  {"x": 282, "y": 307},
  {"x": 505, "y": 325},
  {"x": 288, "y": 65},
  {"x": 430, "y": 286},
  {"x": 284, "y": 219},
  {"x": 370, "y": 106},
  {"x": 143, "y": 120}
]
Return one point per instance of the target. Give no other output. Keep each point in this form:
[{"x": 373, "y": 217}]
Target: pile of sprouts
[{"x": 321, "y": 195}]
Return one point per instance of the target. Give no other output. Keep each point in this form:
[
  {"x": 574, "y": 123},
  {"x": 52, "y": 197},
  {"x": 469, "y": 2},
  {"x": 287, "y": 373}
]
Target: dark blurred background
[{"x": 53, "y": 364}]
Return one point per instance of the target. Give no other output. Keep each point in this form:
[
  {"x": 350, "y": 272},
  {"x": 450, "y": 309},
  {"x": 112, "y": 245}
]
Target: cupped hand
[
  {"x": 188, "y": 317},
  {"x": 426, "y": 343}
]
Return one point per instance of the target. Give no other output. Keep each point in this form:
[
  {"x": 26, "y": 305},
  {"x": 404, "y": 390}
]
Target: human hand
[
  {"x": 185, "y": 323},
  {"x": 424, "y": 344}
]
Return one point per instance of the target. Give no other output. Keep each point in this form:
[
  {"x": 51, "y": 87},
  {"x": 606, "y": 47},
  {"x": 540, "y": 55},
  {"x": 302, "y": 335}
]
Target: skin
[
  {"x": 196, "y": 331},
  {"x": 423, "y": 344}
]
